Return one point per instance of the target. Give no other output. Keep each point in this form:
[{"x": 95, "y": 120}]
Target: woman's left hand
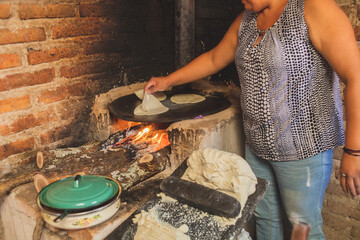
[{"x": 350, "y": 174}]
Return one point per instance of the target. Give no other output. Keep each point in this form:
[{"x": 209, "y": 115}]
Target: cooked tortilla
[
  {"x": 187, "y": 98},
  {"x": 161, "y": 96},
  {"x": 150, "y": 106}
]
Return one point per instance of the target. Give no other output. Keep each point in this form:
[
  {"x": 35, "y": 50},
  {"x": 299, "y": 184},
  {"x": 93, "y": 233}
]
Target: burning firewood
[{"x": 130, "y": 156}]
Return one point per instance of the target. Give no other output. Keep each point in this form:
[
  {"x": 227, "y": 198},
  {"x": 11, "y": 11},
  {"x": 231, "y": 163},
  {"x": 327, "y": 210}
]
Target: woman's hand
[
  {"x": 156, "y": 84},
  {"x": 350, "y": 174}
]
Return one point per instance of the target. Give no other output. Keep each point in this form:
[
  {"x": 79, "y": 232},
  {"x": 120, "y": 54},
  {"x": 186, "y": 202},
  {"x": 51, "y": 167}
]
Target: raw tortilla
[
  {"x": 223, "y": 171},
  {"x": 161, "y": 96},
  {"x": 187, "y": 98},
  {"x": 151, "y": 228},
  {"x": 150, "y": 106}
]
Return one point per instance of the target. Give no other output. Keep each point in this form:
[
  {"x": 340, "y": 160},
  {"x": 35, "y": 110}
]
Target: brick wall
[{"x": 56, "y": 55}]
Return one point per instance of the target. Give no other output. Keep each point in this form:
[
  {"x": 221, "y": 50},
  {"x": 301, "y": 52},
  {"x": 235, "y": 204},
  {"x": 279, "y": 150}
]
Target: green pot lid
[{"x": 79, "y": 192}]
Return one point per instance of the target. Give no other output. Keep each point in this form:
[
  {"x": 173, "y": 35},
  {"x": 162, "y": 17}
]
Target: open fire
[{"x": 139, "y": 138}]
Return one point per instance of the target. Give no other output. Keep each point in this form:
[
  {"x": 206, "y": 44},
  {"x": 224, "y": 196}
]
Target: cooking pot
[{"x": 79, "y": 202}]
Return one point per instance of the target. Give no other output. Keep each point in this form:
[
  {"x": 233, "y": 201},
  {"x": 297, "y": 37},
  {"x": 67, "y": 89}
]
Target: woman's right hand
[{"x": 156, "y": 84}]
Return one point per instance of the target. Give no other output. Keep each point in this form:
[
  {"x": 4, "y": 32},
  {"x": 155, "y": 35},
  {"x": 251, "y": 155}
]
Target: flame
[
  {"x": 162, "y": 141},
  {"x": 142, "y": 134},
  {"x": 154, "y": 139},
  {"x": 120, "y": 125}
]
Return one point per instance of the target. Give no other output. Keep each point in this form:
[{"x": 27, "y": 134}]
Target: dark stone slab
[{"x": 201, "y": 225}]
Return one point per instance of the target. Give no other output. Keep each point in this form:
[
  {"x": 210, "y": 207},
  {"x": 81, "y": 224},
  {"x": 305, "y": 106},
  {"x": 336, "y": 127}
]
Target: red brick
[
  {"x": 55, "y": 134},
  {"x": 23, "y": 123},
  {"x": 97, "y": 10},
  {"x": 31, "y": 11},
  {"x": 83, "y": 27},
  {"x": 22, "y": 35},
  {"x": 83, "y": 69},
  {"x": 54, "y": 54},
  {"x": 27, "y": 11},
  {"x": 32, "y": 120},
  {"x": 16, "y": 147},
  {"x": 13, "y": 104},
  {"x": 4, "y": 130},
  {"x": 4, "y": 11},
  {"x": 9, "y": 61},
  {"x": 60, "y": 10},
  {"x": 78, "y": 89},
  {"x": 60, "y": 93},
  {"x": 28, "y": 121},
  {"x": 107, "y": 46},
  {"x": 26, "y": 79},
  {"x": 55, "y": 95}
]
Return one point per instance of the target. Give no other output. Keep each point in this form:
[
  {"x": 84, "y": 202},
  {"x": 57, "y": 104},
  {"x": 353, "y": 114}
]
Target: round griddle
[{"x": 123, "y": 108}]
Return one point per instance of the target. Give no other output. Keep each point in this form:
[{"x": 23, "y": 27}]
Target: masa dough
[
  {"x": 219, "y": 170},
  {"x": 187, "y": 98},
  {"x": 223, "y": 171},
  {"x": 150, "y": 106},
  {"x": 151, "y": 228},
  {"x": 161, "y": 96}
]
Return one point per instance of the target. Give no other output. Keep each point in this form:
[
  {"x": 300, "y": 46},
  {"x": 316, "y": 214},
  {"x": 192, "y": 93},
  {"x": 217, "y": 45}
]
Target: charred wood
[
  {"x": 119, "y": 164},
  {"x": 60, "y": 163},
  {"x": 118, "y": 137}
]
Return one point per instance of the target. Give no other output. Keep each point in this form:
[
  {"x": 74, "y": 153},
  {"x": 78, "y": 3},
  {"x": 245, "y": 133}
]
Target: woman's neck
[{"x": 270, "y": 14}]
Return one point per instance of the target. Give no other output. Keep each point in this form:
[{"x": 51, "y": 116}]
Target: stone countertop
[{"x": 201, "y": 224}]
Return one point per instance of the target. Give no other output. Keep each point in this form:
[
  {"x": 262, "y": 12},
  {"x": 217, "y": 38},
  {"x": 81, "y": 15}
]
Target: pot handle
[
  {"x": 61, "y": 217},
  {"x": 77, "y": 180}
]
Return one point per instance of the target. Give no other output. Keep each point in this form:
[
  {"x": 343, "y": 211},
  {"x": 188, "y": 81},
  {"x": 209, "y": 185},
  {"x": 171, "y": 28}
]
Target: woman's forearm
[
  {"x": 352, "y": 111},
  {"x": 201, "y": 67}
]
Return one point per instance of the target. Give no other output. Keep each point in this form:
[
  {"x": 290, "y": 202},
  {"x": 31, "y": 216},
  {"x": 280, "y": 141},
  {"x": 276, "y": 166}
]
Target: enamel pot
[{"x": 79, "y": 202}]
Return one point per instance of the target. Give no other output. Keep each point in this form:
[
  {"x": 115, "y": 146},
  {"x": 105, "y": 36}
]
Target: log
[
  {"x": 11, "y": 181},
  {"x": 41, "y": 181},
  {"x": 56, "y": 164},
  {"x": 120, "y": 165},
  {"x": 40, "y": 160}
]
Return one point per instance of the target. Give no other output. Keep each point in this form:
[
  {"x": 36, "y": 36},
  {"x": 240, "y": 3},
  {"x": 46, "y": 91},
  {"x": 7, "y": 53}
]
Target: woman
[{"x": 285, "y": 52}]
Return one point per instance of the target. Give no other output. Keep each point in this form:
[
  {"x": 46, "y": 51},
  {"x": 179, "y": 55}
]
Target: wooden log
[
  {"x": 11, "y": 181},
  {"x": 88, "y": 159},
  {"x": 41, "y": 181},
  {"x": 40, "y": 160},
  {"x": 120, "y": 165}
]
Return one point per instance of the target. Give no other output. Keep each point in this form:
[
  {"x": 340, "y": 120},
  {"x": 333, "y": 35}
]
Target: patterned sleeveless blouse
[{"x": 290, "y": 96}]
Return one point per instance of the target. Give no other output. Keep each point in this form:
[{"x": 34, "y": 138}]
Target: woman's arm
[
  {"x": 205, "y": 65},
  {"x": 332, "y": 35}
]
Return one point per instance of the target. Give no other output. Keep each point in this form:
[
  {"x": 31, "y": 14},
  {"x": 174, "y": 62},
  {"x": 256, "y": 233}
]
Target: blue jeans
[{"x": 296, "y": 187}]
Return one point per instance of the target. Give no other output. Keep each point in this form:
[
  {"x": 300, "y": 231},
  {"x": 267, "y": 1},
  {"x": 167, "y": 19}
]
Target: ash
[{"x": 201, "y": 225}]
